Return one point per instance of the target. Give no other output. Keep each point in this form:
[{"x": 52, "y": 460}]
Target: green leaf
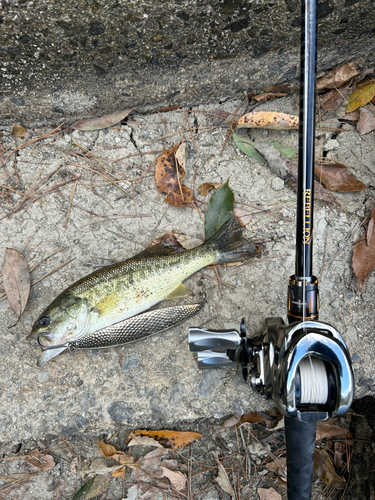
[
  {"x": 246, "y": 146},
  {"x": 97, "y": 485},
  {"x": 219, "y": 210},
  {"x": 284, "y": 150}
]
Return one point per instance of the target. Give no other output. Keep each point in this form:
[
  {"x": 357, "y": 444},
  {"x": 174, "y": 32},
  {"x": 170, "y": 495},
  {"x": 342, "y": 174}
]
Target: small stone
[
  {"x": 43, "y": 377},
  {"x": 277, "y": 184},
  {"x": 131, "y": 362},
  {"x": 366, "y": 382},
  {"x": 87, "y": 401},
  {"x": 351, "y": 334},
  {"x": 119, "y": 411},
  {"x": 331, "y": 145},
  {"x": 355, "y": 357}
]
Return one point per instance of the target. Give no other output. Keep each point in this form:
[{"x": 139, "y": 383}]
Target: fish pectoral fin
[
  {"x": 107, "y": 304},
  {"x": 180, "y": 291}
]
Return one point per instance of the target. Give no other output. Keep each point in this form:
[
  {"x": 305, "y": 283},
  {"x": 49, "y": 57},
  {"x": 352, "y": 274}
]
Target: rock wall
[{"x": 83, "y": 57}]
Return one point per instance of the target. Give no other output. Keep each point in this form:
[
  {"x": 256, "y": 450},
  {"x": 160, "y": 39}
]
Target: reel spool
[{"x": 304, "y": 367}]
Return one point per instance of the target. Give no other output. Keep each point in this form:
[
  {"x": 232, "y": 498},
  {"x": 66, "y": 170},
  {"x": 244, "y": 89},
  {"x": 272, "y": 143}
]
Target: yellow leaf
[
  {"x": 119, "y": 472},
  {"x": 268, "y": 120},
  {"x": 18, "y": 131},
  {"x": 168, "y": 439},
  {"x": 361, "y": 95}
]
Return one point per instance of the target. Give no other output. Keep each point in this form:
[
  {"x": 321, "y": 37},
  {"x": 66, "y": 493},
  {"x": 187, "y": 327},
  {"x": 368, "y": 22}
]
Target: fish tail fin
[{"x": 230, "y": 244}]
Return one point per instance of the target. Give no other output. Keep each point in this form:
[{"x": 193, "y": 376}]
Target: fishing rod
[{"x": 304, "y": 366}]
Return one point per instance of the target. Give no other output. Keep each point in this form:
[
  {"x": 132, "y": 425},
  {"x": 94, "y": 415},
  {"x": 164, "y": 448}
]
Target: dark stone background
[{"x": 59, "y": 60}]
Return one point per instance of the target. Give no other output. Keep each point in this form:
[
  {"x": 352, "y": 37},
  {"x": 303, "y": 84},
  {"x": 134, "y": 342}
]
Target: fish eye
[{"x": 44, "y": 321}]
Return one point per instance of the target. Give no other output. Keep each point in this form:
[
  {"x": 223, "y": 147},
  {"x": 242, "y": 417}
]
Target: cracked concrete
[{"x": 155, "y": 383}]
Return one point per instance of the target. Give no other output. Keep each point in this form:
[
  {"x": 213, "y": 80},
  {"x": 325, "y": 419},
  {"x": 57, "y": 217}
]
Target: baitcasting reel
[{"x": 304, "y": 367}]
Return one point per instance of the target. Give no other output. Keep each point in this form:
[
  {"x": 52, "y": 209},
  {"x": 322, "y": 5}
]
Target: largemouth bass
[
  {"x": 130, "y": 330},
  {"x": 120, "y": 291}
]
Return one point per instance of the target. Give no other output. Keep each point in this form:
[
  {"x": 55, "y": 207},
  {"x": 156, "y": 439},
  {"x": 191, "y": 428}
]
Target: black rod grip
[{"x": 300, "y": 449}]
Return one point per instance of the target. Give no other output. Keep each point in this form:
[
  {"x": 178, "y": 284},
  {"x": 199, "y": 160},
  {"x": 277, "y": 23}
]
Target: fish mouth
[{"x": 48, "y": 355}]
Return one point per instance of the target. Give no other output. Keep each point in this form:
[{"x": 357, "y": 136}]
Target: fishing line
[{"x": 314, "y": 381}]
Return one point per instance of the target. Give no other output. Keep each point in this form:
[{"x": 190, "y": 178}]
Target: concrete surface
[
  {"x": 156, "y": 383},
  {"x": 60, "y": 61}
]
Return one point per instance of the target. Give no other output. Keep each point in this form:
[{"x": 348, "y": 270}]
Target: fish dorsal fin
[{"x": 180, "y": 291}]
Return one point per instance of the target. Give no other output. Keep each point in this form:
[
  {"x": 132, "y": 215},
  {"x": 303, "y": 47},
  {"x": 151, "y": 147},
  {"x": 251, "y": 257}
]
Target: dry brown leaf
[
  {"x": 370, "y": 230},
  {"x": 340, "y": 450},
  {"x": 101, "y": 122},
  {"x": 243, "y": 216},
  {"x": 268, "y": 494},
  {"x": 119, "y": 472},
  {"x": 223, "y": 481},
  {"x": 337, "y": 177},
  {"x": 143, "y": 441},
  {"x": 181, "y": 156},
  {"x": 123, "y": 458},
  {"x": 169, "y": 174},
  {"x": 16, "y": 280},
  {"x": 269, "y": 96},
  {"x": 333, "y": 99},
  {"x": 353, "y": 116},
  {"x": 252, "y": 417},
  {"x": 363, "y": 261},
  {"x": 166, "y": 438},
  {"x": 108, "y": 450},
  {"x": 361, "y": 95},
  {"x": 18, "y": 131},
  {"x": 40, "y": 461},
  {"x": 338, "y": 77},
  {"x": 164, "y": 245},
  {"x": 268, "y": 120},
  {"x": 366, "y": 121},
  {"x": 177, "y": 479},
  {"x": 277, "y": 465},
  {"x": 327, "y": 430},
  {"x": 325, "y": 470},
  {"x": 206, "y": 187},
  {"x": 231, "y": 422}
]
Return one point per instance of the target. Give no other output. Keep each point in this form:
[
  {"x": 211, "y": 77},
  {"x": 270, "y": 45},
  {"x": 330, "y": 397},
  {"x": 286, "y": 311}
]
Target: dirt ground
[{"x": 82, "y": 396}]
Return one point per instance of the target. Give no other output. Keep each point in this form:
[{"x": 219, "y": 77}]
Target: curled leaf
[
  {"x": 169, "y": 174},
  {"x": 327, "y": 430},
  {"x": 231, "y": 422},
  {"x": 219, "y": 210},
  {"x": 333, "y": 99},
  {"x": 206, "y": 187},
  {"x": 16, "y": 280},
  {"x": 166, "y": 438},
  {"x": 338, "y": 77},
  {"x": 325, "y": 470},
  {"x": 277, "y": 465},
  {"x": 222, "y": 480},
  {"x": 337, "y": 177},
  {"x": 268, "y": 120},
  {"x": 40, "y": 461},
  {"x": 177, "y": 479},
  {"x": 18, "y": 131},
  {"x": 361, "y": 95},
  {"x": 102, "y": 122}
]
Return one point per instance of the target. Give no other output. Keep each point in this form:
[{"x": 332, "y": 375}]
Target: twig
[
  {"x": 70, "y": 204},
  {"x": 49, "y": 274},
  {"x": 230, "y": 129}
]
